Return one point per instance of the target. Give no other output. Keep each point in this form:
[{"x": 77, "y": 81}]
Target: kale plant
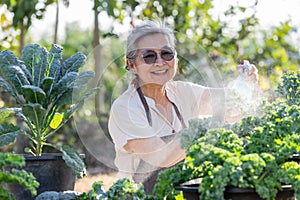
[
  {"x": 10, "y": 174},
  {"x": 198, "y": 128},
  {"x": 96, "y": 193},
  {"x": 123, "y": 188},
  {"x": 126, "y": 189},
  {"x": 167, "y": 179},
  {"x": 47, "y": 92},
  {"x": 256, "y": 152},
  {"x": 289, "y": 88}
]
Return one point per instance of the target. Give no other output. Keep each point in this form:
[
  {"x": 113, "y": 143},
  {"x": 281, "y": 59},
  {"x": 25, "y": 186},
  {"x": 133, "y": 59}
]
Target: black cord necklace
[{"x": 147, "y": 110}]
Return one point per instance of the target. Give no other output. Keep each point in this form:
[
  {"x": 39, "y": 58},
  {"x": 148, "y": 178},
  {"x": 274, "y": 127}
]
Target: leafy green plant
[
  {"x": 221, "y": 159},
  {"x": 169, "y": 178},
  {"x": 47, "y": 91},
  {"x": 14, "y": 175},
  {"x": 256, "y": 152},
  {"x": 244, "y": 128},
  {"x": 126, "y": 189},
  {"x": 199, "y": 127},
  {"x": 96, "y": 193},
  {"x": 67, "y": 195},
  {"x": 289, "y": 88},
  {"x": 122, "y": 189}
]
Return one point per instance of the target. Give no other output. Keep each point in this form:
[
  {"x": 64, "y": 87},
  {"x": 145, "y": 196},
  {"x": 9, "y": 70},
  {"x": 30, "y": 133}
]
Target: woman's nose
[{"x": 159, "y": 60}]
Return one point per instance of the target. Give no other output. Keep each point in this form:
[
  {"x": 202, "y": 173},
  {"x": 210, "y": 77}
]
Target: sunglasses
[{"x": 150, "y": 56}]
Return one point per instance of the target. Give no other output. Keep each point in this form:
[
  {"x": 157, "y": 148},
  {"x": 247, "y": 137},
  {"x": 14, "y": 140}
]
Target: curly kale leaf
[{"x": 126, "y": 189}]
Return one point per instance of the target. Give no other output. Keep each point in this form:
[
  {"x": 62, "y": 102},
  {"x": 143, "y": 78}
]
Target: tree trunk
[
  {"x": 22, "y": 37},
  {"x": 99, "y": 102},
  {"x": 56, "y": 23}
]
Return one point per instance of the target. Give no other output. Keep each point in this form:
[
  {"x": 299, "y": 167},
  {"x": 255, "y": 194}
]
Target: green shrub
[
  {"x": 14, "y": 176},
  {"x": 253, "y": 153}
]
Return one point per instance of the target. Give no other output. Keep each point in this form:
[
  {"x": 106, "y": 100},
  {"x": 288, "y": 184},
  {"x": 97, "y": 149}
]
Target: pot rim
[
  {"x": 46, "y": 156},
  {"x": 229, "y": 189}
]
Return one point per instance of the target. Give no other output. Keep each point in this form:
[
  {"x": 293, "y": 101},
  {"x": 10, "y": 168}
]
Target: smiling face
[{"x": 162, "y": 70}]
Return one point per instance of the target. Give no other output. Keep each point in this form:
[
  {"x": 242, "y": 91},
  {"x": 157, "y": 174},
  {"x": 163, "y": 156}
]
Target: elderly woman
[{"x": 144, "y": 120}]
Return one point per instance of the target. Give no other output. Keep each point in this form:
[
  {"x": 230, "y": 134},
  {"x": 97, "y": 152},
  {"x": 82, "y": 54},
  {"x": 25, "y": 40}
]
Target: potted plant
[
  {"x": 253, "y": 159},
  {"x": 47, "y": 92},
  {"x": 121, "y": 189},
  {"x": 15, "y": 176}
]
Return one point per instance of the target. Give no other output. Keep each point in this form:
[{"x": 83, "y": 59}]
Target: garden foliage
[
  {"x": 256, "y": 152},
  {"x": 122, "y": 189},
  {"x": 13, "y": 175}
]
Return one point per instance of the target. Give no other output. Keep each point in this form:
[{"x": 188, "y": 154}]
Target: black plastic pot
[
  {"x": 190, "y": 192},
  {"x": 295, "y": 157},
  {"x": 50, "y": 171}
]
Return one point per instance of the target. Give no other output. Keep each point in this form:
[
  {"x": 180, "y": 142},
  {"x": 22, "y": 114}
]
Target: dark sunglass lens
[
  {"x": 149, "y": 57},
  {"x": 167, "y": 55}
]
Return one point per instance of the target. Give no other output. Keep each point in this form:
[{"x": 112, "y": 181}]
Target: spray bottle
[{"x": 240, "y": 85}]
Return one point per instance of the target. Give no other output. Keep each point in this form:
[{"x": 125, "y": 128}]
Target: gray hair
[{"x": 147, "y": 28}]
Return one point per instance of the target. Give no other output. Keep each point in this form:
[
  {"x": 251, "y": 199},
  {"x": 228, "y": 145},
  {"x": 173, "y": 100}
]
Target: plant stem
[
  {"x": 40, "y": 143},
  {"x": 39, "y": 148},
  {"x": 263, "y": 176}
]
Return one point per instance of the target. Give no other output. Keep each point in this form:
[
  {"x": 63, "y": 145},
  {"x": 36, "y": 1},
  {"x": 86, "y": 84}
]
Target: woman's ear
[{"x": 131, "y": 66}]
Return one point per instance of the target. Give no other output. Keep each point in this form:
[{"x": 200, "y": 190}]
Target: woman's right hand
[{"x": 249, "y": 72}]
